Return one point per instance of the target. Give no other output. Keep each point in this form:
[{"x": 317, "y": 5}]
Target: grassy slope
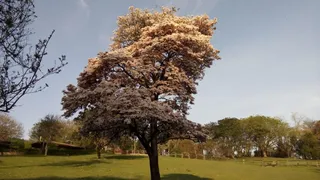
[{"x": 136, "y": 167}]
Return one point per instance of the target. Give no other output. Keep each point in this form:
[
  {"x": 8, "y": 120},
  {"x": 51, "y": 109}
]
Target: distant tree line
[
  {"x": 258, "y": 135},
  {"x": 261, "y": 136},
  {"x": 56, "y": 128}
]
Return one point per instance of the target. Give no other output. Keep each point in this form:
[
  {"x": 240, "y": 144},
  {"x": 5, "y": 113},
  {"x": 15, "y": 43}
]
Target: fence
[
  {"x": 137, "y": 152},
  {"x": 279, "y": 162}
]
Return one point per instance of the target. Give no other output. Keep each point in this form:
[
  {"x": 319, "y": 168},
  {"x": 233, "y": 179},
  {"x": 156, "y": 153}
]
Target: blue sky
[{"x": 270, "y": 54}]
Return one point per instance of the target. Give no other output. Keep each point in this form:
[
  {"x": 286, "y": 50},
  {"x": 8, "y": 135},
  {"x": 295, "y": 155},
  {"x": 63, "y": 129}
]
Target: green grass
[{"x": 136, "y": 168}]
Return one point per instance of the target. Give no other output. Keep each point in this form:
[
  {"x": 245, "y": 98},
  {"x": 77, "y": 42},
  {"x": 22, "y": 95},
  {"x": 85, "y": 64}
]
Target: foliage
[
  {"x": 70, "y": 152},
  {"x": 143, "y": 86},
  {"x": 231, "y": 135},
  {"x": 309, "y": 146},
  {"x": 173, "y": 146},
  {"x": 21, "y": 68},
  {"x": 49, "y": 128},
  {"x": 316, "y": 129},
  {"x": 308, "y": 139},
  {"x": 184, "y": 146},
  {"x": 124, "y": 143},
  {"x": 71, "y": 133},
  {"x": 287, "y": 144},
  {"x": 27, "y": 144},
  {"x": 9, "y": 128},
  {"x": 228, "y": 133},
  {"x": 17, "y": 144},
  {"x": 12, "y": 145},
  {"x": 264, "y": 132},
  {"x": 55, "y": 128},
  {"x": 31, "y": 151}
]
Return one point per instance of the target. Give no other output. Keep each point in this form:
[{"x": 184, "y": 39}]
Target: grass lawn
[{"x": 136, "y": 168}]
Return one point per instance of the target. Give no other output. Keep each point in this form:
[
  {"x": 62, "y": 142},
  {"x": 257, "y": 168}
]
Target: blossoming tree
[{"x": 144, "y": 84}]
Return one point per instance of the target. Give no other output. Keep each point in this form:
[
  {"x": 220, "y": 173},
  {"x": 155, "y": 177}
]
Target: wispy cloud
[
  {"x": 85, "y": 6},
  {"x": 77, "y": 18}
]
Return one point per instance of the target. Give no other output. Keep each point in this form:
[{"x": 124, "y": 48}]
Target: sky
[{"x": 270, "y": 54}]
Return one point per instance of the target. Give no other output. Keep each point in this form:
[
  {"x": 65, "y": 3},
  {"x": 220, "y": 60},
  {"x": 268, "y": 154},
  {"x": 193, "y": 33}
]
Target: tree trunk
[
  {"x": 264, "y": 153},
  {"x": 42, "y": 148},
  {"x": 289, "y": 153},
  {"x": 134, "y": 146},
  {"x": 153, "y": 153},
  {"x": 98, "y": 152},
  {"x": 154, "y": 160},
  {"x": 46, "y": 149}
]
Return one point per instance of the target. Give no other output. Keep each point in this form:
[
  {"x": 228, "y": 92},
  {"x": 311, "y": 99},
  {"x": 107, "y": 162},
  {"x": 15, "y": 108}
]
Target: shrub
[
  {"x": 17, "y": 144},
  {"x": 69, "y": 152}
]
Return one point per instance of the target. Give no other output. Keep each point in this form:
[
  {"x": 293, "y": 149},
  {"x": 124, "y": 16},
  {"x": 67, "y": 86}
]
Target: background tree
[
  {"x": 173, "y": 146},
  {"x": 186, "y": 146},
  {"x": 143, "y": 86},
  {"x": 125, "y": 143},
  {"x": 309, "y": 146},
  {"x": 97, "y": 138},
  {"x": 50, "y": 128},
  {"x": 316, "y": 129},
  {"x": 229, "y": 135},
  {"x": 213, "y": 148},
  {"x": 71, "y": 134},
  {"x": 298, "y": 120},
  {"x": 99, "y": 141},
  {"x": 70, "y": 131},
  {"x": 21, "y": 68},
  {"x": 137, "y": 146},
  {"x": 266, "y": 132},
  {"x": 287, "y": 144},
  {"x": 10, "y": 132},
  {"x": 9, "y": 128}
]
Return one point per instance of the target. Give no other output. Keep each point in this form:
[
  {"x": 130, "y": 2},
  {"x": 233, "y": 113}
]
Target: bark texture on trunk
[
  {"x": 153, "y": 153},
  {"x": 154, "y": 160}
]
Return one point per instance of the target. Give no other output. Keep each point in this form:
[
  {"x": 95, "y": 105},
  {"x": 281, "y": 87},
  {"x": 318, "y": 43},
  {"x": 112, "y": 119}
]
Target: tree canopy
[
  {"x": 48, "y": 128},
  {"x": 144, "y": 84},
  {"x": 9, "y": 128}
]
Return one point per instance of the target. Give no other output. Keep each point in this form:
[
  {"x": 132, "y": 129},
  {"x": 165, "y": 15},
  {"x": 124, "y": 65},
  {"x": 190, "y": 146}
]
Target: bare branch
[{"x": 20, "y": 72}]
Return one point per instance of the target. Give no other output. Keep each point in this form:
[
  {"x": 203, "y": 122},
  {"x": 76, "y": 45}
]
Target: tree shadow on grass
[
  {"x": 76, "y": 163},
  {"x": 125, "y": 157},
  {"x": 183, "y": 177},
  {"x": 73, "y": 178},
  {"x": 62, "y": 164}
]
